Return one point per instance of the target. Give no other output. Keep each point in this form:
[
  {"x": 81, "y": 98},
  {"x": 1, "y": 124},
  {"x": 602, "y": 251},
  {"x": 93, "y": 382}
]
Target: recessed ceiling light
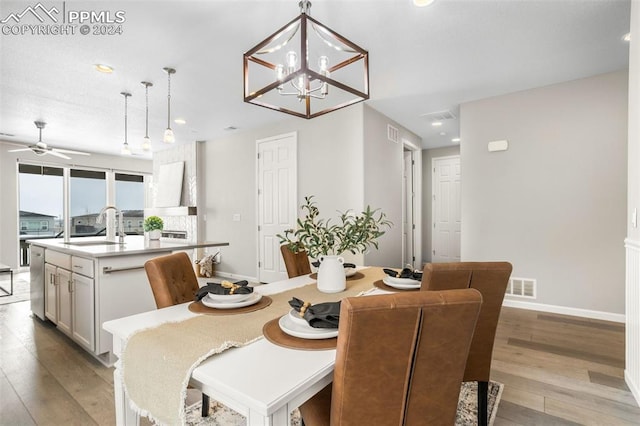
[
  {"x": 423, "y": 3},
  {"x": 180, "y": 121},
  {"x": 626, "y": 37},
  {"x": 455, "y": 140},
  {"x": 436, "y": 123},
  {"x": 443, "y": 134},
  {"x": 103, "y": 68}
]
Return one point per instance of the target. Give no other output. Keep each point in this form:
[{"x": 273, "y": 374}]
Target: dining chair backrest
[
  {"x": 297, "y": 263},
  {"x": 172, "y": 279},
  {"x": 399, "y": 360},
  {"x": 490, "y": 279}
]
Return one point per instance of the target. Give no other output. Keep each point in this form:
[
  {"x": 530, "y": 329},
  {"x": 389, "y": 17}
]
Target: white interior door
[
  {"x": 408, "y": 254},
  {"x": 277, "y": 201},
  {"x": 446, "y": 210}
]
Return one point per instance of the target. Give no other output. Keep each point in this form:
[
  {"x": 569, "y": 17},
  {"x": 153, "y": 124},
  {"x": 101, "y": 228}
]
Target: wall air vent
[
  {"x": 438, "y": 116},
  {"x": 392, "y": 133},
  {"x": 522, "y": 287}
]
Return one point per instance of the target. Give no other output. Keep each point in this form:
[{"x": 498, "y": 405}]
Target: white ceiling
[{"x": 422, "y": 60}]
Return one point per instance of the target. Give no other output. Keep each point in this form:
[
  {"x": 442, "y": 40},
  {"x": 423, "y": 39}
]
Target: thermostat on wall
[{"x": 498, "y": 145}]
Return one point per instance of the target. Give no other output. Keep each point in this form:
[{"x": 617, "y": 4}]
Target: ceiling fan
[{"x": 41, "y": 148}]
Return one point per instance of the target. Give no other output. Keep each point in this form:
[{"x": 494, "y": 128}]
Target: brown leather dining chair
[
  {"x": 490, "y": 279},
  {"x": 399, "y": 360},
  {"x": 173, "y": 281},
  {"x": 296, "y": 263}
]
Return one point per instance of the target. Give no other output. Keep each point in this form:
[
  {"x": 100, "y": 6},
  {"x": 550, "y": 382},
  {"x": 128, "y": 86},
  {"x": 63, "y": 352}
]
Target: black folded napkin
[
  {"x": 320, "y": 315},
  {"x": 405, "y": 273},
  {"x": 226, "y": 287}
]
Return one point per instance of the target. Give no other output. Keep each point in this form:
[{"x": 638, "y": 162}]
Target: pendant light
[
  {"x": 168, "y": 134},
  {"x": 125, "y": 147},
  {"x": 146, "y": 141},
  {"x": 320, "y": 72}
]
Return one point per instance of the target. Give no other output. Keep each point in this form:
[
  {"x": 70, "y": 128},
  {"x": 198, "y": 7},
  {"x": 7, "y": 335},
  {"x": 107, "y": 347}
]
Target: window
[
  {"x": 130, "y": 200},
  {"x": 40, "y": 200},
  {"x": 88, "y": 195}
]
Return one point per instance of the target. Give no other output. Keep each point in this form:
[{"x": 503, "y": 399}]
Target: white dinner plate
[
  {"x": 295, "y": 317},
  {"x": 401, "y": 283},
  {"x": 254, "y": 298},
  {"x": 227, "y": 298},
  {"x": 305, "y": 331},
  {"x": 349, "y": 272}
]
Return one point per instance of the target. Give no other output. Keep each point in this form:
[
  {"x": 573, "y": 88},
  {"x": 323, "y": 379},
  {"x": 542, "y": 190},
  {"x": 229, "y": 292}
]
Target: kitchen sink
[{"x": 91, "y": 243}]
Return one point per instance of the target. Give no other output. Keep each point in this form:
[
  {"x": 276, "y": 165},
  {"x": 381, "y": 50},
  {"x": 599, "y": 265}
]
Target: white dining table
[{"x": 262, "y": 381}]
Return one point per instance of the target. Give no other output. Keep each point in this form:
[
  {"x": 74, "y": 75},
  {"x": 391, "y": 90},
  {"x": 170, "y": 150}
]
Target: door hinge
[
  {"x": 413, "y": 226},
  {"x": 434, "y": 225},
  {"x": 259, "y": 228},
  {"x": 259, "y": 264},
  {"x": 258, "y": 156},
  {"x": 413, "y": 258},
  {"x": 434, "y": 252}
]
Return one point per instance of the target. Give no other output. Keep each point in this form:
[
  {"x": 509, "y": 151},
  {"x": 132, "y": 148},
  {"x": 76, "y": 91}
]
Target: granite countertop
[{"x": 133, "y": 244}]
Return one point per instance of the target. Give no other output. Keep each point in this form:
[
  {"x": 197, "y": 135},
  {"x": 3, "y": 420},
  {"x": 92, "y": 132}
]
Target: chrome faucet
[{"x": 102, "y": 215}]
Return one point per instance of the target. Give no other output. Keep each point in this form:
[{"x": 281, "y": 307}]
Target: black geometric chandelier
[{"x": 306, "y": 69}]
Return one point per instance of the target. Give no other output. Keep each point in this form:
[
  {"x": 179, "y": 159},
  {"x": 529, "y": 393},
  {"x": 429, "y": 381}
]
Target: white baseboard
[
  {"x": 633, "y": 387},
  {"x": 563, "y": 310}
]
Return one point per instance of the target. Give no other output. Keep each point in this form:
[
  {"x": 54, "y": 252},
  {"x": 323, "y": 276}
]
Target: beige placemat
[{"x": 156, "y": 363}]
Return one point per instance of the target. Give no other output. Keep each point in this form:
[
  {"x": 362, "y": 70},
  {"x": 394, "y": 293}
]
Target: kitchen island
[{"x": 81, "y": 283}]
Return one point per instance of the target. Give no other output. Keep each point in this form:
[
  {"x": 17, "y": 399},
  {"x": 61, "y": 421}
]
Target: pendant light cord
[
  {"x": 146, "y": 97},
  {"x": 169, "y": 102},
  {"x": 125, "y": 119}
]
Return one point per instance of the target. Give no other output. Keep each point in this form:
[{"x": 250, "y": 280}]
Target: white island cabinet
[{"x": 86, "y": 283}]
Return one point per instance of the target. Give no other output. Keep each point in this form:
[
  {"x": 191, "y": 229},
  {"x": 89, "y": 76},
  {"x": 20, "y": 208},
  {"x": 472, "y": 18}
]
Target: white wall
[
  {"x": 427, "y": 191},
  {"x": 383, "y": 163},
  {"x": 9, "y": 241},
  {"x": 344, "y": 160},
  {"x": 329, "y": 167},
  {"x": 632, "y": 339},
  {"x": 554, "y": 204}
]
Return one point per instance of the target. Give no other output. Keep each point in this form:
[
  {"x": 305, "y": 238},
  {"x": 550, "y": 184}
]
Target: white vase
[
  {"x": 331, "y": 277},
  {"x": 155, "y": 234}
]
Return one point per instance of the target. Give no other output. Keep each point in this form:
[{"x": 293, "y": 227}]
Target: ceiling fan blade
[
  {"x": 57, "y": 154},
  {"x": 18, "y": 150},
  {"x": 68, "y": 151}
]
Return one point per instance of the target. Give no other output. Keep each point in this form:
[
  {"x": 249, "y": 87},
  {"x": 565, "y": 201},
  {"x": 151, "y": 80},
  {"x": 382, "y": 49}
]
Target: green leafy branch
[{"x": 355, "y": 233}]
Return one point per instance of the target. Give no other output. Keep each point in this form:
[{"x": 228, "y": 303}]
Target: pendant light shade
[
  {"x": 168, "y": 133},
  {"x": 306, "y": 69},
  {"x": 146, "y": 141},
  {"x": 125, "y": 147}
]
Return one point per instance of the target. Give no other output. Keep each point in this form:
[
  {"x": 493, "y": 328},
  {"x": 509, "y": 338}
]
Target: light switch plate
[{"x": 494, "y": 146}]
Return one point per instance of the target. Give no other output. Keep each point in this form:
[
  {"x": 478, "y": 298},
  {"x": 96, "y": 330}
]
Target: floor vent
[
  {"x": 392, "y": 133},
  {"x": 522, "y": 287}
]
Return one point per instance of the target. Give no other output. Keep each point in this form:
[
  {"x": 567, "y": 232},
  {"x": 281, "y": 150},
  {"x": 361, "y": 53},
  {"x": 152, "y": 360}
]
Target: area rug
[{"x": 219, "y": 415}]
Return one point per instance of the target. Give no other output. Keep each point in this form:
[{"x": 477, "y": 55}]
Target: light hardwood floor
[{"x": 557, "y": 370}]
